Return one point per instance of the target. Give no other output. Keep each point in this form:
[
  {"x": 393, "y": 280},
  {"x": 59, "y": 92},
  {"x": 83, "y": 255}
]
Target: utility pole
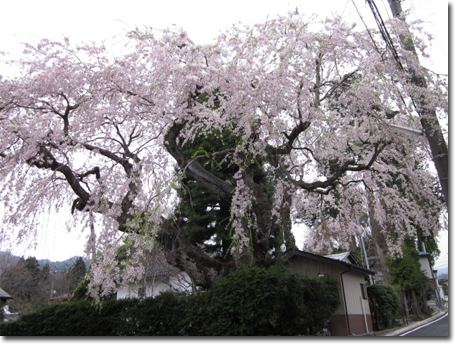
[
  {"x": 428, "y": 117},
  {"x": 362, "y": 240}
]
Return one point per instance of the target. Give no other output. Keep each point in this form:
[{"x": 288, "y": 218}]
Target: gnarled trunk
[{"x": 179, "y": 252}]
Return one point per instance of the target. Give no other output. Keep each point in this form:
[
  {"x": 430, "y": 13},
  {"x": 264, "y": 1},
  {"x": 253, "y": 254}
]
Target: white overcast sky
[{"x": 98, "y": 20}]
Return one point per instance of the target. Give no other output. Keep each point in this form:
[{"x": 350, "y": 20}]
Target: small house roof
[
  {"x": 4, "y": 296},
  {"x": 340, "y": 256},
  {"x": 161, "y": 270},
  {"x": 344, "y": 259},
  {"x": 158, "y": 267},
  {"x": 63, "y": 297}
]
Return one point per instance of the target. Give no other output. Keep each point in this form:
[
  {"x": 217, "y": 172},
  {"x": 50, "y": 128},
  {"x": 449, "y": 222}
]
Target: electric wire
[
  {"x": 385, "y": 33},
  {"x": 367, "y": 29},
  {"x": 376, "y": 46},
  {"x": 388, "y": 40}
]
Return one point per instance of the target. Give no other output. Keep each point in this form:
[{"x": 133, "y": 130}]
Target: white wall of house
[
  {"x": 180, "y": 283},
  {"x": 426, "y": 267}
]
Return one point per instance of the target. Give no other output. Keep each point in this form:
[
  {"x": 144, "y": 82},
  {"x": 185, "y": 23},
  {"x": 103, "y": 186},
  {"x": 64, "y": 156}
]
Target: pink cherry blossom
[{"x": 103, "y": 130}]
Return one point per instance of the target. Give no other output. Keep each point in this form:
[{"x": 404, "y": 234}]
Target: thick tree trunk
[
  {"x": 378, "y": 238},
  {"x": 184, "y": 255},
  {"x": 179, "y": 252},
  {"x": 406, "y": 308},
  {"x": 225, "y": 189},
  {"x": 416, "y": 309}
]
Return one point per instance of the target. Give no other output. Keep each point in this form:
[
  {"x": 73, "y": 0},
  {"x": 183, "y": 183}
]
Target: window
[{"x": 363, "y": 288}]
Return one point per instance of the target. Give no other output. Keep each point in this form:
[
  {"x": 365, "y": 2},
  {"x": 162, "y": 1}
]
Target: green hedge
[
  {"x": 254, "y": 301},
  {"x": 385, "y": 304},
  {"x": 249, "y": 301}
]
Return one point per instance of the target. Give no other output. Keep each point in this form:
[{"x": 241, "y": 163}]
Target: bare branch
[
  {"x": 45, "y": 160},
  {"x": 124, "y": 162},
  {"x": 349, "y": 165}
]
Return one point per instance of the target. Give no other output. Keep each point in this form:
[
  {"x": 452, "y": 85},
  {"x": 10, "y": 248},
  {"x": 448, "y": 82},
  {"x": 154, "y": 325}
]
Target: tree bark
[
  {"x": 179, "y": 252},
  {"x": 416, "y": 309}
]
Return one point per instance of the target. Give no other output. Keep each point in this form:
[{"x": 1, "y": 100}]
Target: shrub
[
  {"x": 249, "y": 301},
  {"x": 385, "y": 300},
  {"x": 255, "y": 301}
]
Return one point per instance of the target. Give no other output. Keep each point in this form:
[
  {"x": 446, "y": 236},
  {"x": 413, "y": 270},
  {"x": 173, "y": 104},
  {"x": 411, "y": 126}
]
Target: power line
[
  {"x": 376, "y": 46},
  {"x": 385, "y": 33},
  {"x": 368, "y": 30},
  {"x": 428, "y": 117}
]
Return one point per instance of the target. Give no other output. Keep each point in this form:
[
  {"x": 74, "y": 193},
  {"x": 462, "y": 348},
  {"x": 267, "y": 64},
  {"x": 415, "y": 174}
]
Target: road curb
[{"x": 414, "y": 325}]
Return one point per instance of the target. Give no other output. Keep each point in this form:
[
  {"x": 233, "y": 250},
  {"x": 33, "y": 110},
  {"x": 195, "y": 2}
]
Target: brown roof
[
  {"x": 158, "y": 267},
  {"x": 295, "y": 252},
  {"x": 161, "y": 270},
  {"x": 63, "y": 297}
]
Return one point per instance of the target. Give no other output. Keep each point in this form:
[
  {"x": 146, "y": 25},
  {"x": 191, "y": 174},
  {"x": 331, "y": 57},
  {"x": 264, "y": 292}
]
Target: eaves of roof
[
  {"x": 340, "y": 256},
  {"x": 295, "y": 252},
  {"x": 4, "y": 295}
]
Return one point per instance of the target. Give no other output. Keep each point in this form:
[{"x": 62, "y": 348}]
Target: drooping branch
[
  {"x": 302, "y": 126},
  {"x": 44, "y": 159},
  {"x": 340, "y": 84},
  {"x": 178, "y": 250}
]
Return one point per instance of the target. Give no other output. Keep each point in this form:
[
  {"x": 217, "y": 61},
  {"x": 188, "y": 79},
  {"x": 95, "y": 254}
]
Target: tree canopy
[{"x": 309, "y": 103}]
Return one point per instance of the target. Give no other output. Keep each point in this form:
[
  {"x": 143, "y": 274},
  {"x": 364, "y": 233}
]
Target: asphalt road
[{"x": 436, "y": 328}]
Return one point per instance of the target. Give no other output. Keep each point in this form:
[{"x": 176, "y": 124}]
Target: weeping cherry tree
[{"x": 309, "y": 102}]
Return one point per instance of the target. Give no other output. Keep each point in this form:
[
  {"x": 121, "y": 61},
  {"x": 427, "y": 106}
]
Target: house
[
  {"x": 159, "y": 277},
  {"x": 4, "y": 296},
  {"x": 353, "y": 316},
  {"x": 437, "y": 300},
  {"x": 154, "y": 285},
  {"x": 444, "y": 291},
  {"x": 5, "y": 312}
]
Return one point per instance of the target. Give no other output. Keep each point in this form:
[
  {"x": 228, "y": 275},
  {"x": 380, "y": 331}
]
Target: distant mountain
[
  {"x": 61, "y": 266},
  {"x": 443, "y": 271}
]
